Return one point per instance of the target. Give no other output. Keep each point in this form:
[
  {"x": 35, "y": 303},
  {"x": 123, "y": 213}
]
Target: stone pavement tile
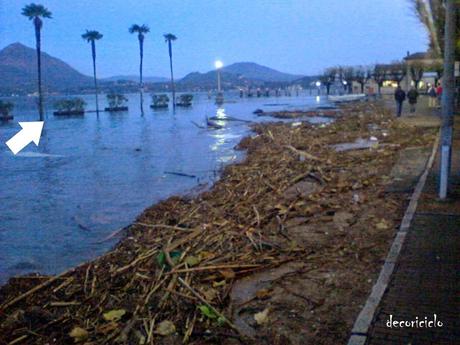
[{"x": 424, "y": 283}]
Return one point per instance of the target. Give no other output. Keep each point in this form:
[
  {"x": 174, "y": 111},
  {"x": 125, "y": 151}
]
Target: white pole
[{"x": 447, "y": 98}]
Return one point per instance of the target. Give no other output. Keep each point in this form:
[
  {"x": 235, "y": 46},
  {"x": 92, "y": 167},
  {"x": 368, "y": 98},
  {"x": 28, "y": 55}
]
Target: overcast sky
[{"x": 295, "y": 36}]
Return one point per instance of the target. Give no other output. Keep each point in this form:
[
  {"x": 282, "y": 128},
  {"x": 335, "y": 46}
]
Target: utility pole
[{"x": 447, "y": 102}]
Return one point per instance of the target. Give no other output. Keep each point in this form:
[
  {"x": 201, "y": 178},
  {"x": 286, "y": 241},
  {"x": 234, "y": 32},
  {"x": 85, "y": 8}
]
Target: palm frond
[
  {"x": 169, "y": 37},
  {"x": 36, "y": 10},
  {"x": 92, "y": 35},
  {"x": 144, "y": 29},
  {"x": 134, "y": 28},
  {"x": 141, "y": 29}
]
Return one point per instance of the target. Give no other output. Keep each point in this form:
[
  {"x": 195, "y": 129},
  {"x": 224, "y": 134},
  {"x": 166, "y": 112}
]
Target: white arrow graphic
[{"x": 31, "y": 131}]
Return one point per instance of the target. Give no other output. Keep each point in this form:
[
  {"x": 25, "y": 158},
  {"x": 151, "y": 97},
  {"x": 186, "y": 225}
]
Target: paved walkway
[{"x": 425, "y": 280}]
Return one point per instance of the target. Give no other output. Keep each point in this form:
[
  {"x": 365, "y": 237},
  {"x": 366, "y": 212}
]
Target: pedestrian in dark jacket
[
  {"x": 412, "y": 96},
  {"x": 400, "y": 96}
]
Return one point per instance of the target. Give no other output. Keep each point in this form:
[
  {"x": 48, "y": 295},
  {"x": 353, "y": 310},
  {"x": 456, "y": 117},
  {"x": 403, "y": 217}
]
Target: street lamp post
[
  {"x": 318, "y": 85},
  {"x": 220, "y": 96},
  {"x": 218, "y": 64},
  {"x": 447, "y": 102}
]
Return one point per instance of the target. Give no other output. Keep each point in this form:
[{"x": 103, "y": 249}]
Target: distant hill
[
  {"x": 208, "y": 80},
  {"x": 135, "y": 78},
  {"x": 251, "y": 70},
  {"x": 239, "y": 74},
  {"x": 18, "y": 71},
  {"x": 18, "y": 74}
]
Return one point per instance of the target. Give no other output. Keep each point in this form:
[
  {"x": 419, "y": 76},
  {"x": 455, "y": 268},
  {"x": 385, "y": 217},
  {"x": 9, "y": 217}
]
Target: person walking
[
  {"x": 432, "y": 97},
  {"x": 400, "y": 96},
  {"x": 412, "y": 96}
]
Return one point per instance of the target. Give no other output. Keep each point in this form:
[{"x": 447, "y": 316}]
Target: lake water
[{"x": 91, "y": 176}]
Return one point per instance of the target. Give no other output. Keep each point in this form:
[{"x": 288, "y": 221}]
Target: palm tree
[
  {"x": 35, "y": 12},
  {"x": 141, "y": 30},
  {"x": 380, "y": 76},
  {"x": 92, "y": 36},
  {"x": 169, "y": 38}
]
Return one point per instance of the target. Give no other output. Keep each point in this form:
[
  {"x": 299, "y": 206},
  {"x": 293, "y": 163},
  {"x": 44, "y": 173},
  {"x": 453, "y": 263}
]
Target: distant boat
[
  {"x": 184, "y": 100},
  {"x": 347, "y": 98},
  {"x": 159, "y": 101}
]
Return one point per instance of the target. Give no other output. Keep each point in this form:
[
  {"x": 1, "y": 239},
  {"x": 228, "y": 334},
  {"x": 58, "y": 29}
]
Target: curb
[{"x": 359, "y": 332}]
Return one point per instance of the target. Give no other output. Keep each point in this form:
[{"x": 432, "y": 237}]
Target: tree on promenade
[
  {"x": 361, "y": 75},
  {"x": 397, "y": 71},
  {"x": 380, "y": 75},
  {"x": 432, "y": 14},
  {"x": 346, "y": 75},
  {"x": 328, "y": 78},
  {"x": 416, "y": 73}
]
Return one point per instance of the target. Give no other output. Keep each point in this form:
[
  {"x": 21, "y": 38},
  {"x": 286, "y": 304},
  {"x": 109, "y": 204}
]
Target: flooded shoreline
[
  {"x": 90, "y": 177},
  {"x": 314, "y": 228}
]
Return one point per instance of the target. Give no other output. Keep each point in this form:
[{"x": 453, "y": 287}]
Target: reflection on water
[{"x": 91, "y": 176}]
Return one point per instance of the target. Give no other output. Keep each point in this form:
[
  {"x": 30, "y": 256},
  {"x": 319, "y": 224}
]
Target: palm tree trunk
[
  {"x": 39, "y": 66},
  {"x": 141, "y": 53},
  {"x": 93, "y": 50},
  {"x": 173, "y": 88},
  {"x": 448, "y": 93},
  {"x": 141, "y": 82}
]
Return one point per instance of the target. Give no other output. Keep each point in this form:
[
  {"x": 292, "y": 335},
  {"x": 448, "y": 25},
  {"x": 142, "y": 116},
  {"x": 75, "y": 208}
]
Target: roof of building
[
  {"x": 428, "y": 55},
  {"x": 418, "y": 56}
]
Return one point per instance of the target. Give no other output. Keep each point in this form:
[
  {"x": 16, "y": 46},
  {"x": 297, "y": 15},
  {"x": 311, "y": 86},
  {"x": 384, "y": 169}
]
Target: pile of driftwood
[
  {"x": 170, "y": 279},
  {"x": 295, "y": 114}
]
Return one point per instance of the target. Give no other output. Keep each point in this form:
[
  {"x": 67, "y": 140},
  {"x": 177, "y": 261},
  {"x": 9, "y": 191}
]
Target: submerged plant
[
  {"x": 160, "y": 99},
  {"x": 116, "y": 100},
  {"x": 70, "y": 105}
]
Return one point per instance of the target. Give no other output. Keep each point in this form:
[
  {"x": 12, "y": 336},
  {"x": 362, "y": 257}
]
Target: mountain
[
  {"x": 18, "y": 72},
  {"x": 238, "y": 75},
  {"x": 135, "y": 78},
  {"x": 208, "y": 80},
  {"x": 251, "y": 70}
]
